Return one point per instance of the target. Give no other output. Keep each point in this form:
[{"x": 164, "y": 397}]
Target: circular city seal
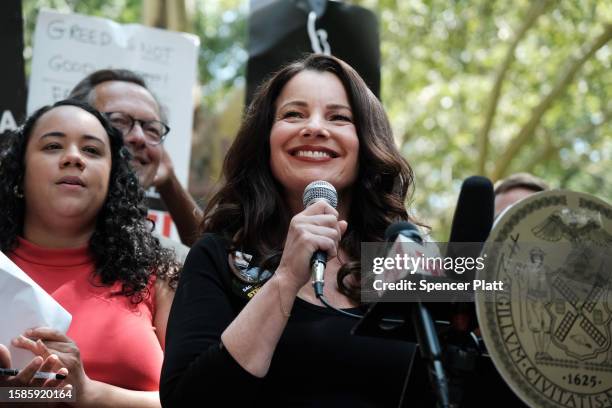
[{"x": 549, "y": 333}]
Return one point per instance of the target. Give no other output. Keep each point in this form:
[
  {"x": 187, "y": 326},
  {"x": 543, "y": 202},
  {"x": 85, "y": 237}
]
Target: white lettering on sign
[{"x": 7, "y": 121}]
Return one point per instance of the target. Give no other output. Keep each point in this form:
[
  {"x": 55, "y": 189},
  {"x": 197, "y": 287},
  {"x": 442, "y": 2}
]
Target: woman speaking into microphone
[{"x": 245, "y": 326}]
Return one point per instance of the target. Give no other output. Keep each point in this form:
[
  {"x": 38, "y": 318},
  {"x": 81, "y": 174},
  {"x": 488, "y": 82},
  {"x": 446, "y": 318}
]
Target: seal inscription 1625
[{"x": 550, "y": 335}]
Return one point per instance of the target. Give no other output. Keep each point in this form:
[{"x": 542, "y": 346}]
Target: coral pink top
[{"x": 116, "y": 338}]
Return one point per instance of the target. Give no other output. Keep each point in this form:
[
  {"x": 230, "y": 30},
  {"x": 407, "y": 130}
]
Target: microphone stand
[
  {"x": 431, "y": 351},
  {"x": 423, "y": 325},
  {"x": 413, "y": 323}
]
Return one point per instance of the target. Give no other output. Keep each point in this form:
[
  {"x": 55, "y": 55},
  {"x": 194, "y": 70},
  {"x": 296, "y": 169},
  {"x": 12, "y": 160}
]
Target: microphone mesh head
[{"x": 320, "y": 190}]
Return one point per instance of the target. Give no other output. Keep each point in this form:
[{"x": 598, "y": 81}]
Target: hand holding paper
[{"x": 25, "y": 305}]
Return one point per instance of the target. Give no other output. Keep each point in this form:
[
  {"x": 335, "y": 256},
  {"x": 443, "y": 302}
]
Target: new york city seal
[{"x": 550, "y": 334}]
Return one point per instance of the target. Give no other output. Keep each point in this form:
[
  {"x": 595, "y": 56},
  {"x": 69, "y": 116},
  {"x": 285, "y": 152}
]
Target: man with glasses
[{"x": 124, "y": 97}]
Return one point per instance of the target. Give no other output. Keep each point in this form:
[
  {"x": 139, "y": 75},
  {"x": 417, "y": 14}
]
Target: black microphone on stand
[
  {"x": 473, "y": 216},
  {"x": 425, "y": 328},
  {"x": 472, "y": 222},
  {"x": 319, "y": 191}
]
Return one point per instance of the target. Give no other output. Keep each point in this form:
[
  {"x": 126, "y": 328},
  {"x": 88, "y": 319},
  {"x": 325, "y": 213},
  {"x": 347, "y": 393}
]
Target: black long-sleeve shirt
[{"x": 317, "y": 361}]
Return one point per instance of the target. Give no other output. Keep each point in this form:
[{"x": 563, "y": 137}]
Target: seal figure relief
[{"x": 550, "y": 335}]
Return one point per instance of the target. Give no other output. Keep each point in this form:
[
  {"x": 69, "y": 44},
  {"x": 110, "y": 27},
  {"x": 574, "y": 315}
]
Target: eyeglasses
[{"x": 154, "y": 131}]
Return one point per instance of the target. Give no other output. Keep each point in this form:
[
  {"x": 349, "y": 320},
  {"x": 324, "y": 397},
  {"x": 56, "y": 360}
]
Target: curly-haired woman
[
  {"x": 72, "y": 217},
  {"x": 245, "y": 317}
]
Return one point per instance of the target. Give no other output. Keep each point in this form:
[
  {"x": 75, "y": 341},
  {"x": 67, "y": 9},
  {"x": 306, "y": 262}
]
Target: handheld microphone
[{"x": 319, "y": 191}]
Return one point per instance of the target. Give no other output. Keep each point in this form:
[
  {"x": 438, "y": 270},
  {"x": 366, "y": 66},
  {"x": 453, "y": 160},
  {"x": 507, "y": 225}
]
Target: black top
[{"x": 317, "y": 361}]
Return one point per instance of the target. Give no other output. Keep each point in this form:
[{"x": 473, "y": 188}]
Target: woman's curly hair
[
  {"x": 122, "y": 245},
  {"x": 249, "y": 208}
]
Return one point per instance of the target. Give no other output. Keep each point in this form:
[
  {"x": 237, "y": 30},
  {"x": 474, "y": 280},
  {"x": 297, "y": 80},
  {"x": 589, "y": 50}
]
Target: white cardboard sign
[{"x": 67, "y": 47}]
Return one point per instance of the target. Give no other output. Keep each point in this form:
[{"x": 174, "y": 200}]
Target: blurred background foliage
[{"x": 471, "y": 87}]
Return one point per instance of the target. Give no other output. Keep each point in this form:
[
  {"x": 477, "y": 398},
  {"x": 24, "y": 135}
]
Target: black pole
[{"x": 12, "y": 73}]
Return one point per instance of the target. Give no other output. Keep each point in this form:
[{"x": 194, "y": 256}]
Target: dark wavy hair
[
  {"x": 249, "y": 208},
  {"x": 123, "y": 248}
]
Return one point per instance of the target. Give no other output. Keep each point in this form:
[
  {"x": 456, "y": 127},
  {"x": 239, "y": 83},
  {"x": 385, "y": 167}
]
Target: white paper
[{"x": 25, "y": 305}]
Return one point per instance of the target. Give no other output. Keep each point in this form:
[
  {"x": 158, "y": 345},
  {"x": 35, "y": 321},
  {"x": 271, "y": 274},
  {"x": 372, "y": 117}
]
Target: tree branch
[
  {"x": 536, "y": 10},
  {"x": 544, "y": 154},
  {"x": 171, "y": 15},
  {"x": 503, "y": 163},
  {"x": 550, "y": 148}
]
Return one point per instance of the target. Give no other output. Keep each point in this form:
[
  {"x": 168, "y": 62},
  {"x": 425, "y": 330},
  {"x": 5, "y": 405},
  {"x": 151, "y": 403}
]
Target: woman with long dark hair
[
  {"x": 245, "y": 317},
  {"x": 72, "y": 217}
]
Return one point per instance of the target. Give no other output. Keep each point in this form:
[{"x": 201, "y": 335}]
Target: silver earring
[{"x": 17, "y": 192}]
